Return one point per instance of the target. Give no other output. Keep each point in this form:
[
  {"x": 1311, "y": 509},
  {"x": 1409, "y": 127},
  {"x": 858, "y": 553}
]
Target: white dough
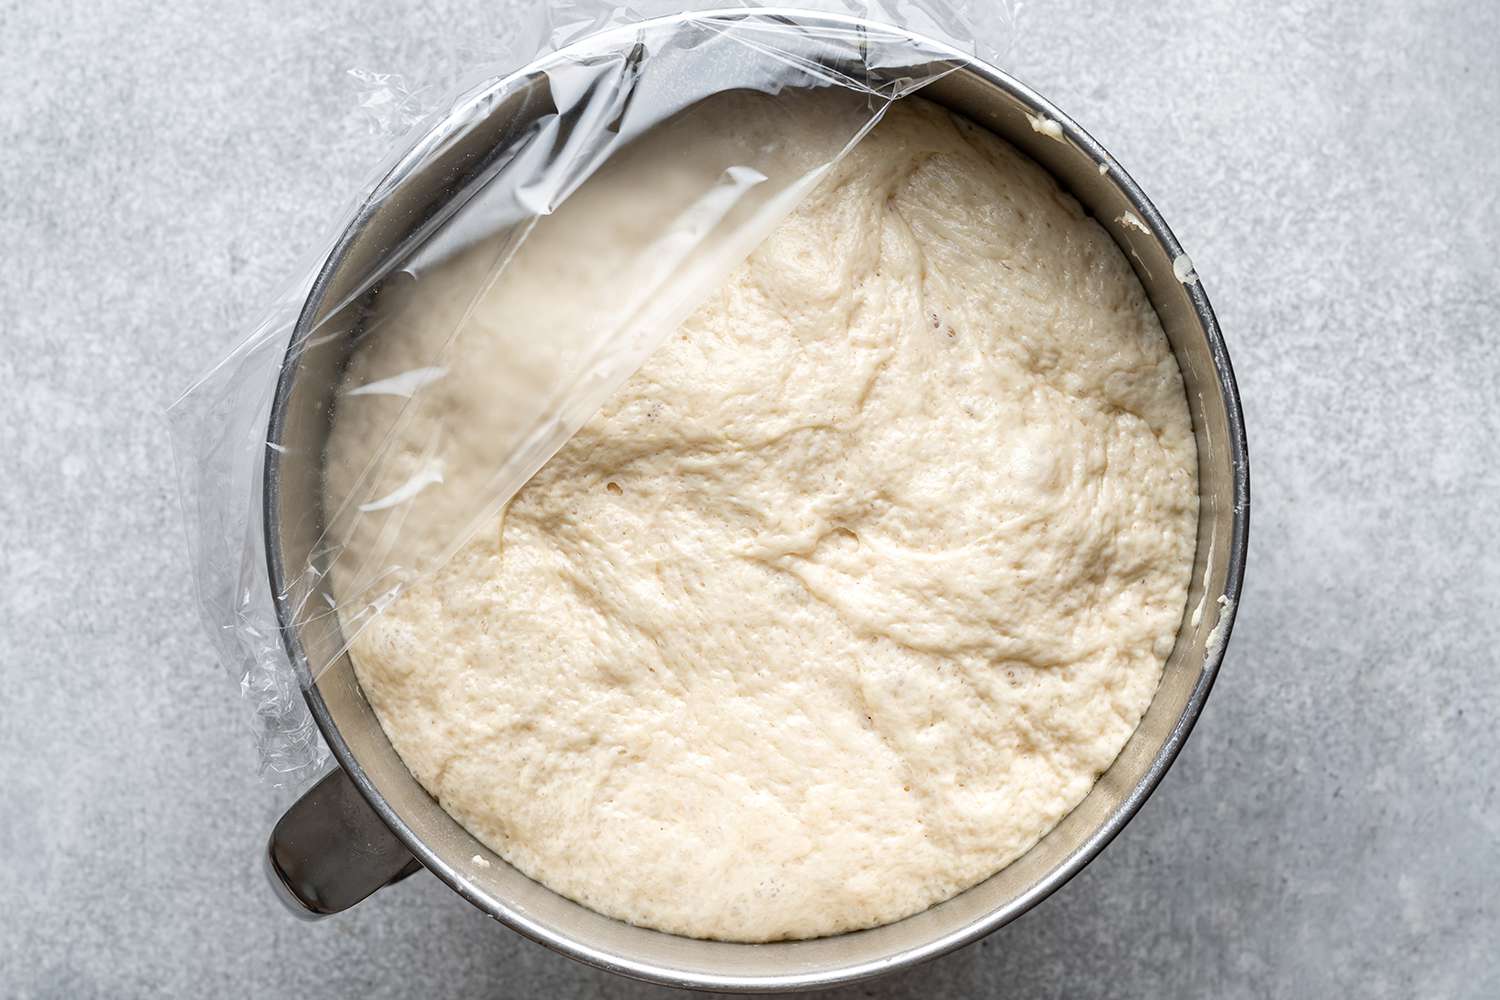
[{"x": 851, "y": 592}]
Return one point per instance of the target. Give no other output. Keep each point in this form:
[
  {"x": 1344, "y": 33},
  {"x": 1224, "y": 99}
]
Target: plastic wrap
[{"x": 638, "y": 156}]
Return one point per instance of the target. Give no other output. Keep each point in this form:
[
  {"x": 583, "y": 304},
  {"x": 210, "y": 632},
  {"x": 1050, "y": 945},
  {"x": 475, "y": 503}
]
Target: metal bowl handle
[{"x": 330, "y": 850}]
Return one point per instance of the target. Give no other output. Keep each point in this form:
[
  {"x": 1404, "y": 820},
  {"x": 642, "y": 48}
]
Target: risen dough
[{"x": 847, "y": 597}]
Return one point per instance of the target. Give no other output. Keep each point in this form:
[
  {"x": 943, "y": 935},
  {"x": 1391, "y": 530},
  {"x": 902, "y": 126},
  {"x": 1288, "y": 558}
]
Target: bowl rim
[{"x": 930, "y": 949}]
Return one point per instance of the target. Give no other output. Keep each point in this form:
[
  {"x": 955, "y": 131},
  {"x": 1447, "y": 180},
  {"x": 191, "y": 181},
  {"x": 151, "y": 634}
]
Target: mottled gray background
[{"x": 1332, "y": 828}]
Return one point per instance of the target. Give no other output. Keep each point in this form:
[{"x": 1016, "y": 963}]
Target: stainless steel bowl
[{"x": 370, "y": 822}]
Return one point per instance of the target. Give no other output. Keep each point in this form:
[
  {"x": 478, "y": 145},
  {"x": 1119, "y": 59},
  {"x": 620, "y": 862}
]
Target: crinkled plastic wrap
[{"x": 553, "y": 225}]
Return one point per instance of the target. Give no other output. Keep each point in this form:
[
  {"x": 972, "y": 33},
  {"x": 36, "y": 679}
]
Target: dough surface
[{"x": 851, "y": 592}]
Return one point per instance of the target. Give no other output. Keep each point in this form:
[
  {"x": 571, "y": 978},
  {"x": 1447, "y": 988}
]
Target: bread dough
[{"x": 851, "y": 592}]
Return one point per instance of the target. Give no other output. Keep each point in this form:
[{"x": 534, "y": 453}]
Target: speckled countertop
[{"x": 1333, "y": 826}]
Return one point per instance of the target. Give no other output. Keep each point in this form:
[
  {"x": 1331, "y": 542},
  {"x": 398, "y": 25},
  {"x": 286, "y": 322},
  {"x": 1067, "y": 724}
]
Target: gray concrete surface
[{"x": 1332, "y": 828}]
